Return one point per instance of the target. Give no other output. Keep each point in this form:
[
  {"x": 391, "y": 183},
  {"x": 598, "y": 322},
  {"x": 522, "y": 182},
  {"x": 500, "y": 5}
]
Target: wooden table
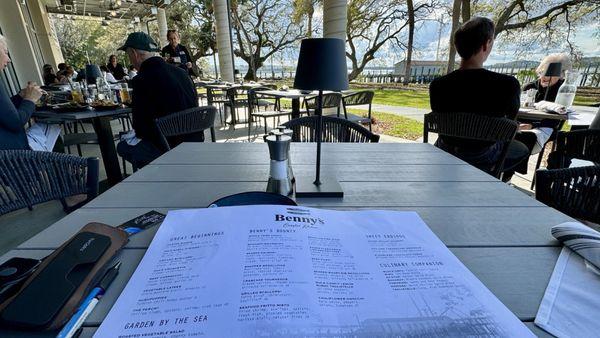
[
  {"x": 500, "y": 234},
  {"x": 101, "y": 123}
]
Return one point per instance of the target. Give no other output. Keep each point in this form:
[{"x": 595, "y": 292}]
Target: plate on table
[
  {"x": 102, "y": 105},
  {"x": 68, "y": 107}
]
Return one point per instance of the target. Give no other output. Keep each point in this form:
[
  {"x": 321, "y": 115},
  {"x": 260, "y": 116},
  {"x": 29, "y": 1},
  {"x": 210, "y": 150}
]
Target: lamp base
[{"x": 329, "y": 187}]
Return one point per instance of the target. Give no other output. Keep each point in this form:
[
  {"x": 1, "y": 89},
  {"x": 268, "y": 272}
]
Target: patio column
[
  {"x": 161, "y": 18},
  {"x": 335, "y": 18},
  {"x": 20, "y": 44},
  {"x": 221, "y": 8},
  {"x": 47, "y": 38}
]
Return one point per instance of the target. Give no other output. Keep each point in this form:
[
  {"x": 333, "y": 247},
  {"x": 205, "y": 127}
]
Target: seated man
[
  {"x": 473, "y": 89},
  {"x": 159, "y": 89}
]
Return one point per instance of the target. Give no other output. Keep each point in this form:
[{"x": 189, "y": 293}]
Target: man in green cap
[{"x": 159, "y": 89}]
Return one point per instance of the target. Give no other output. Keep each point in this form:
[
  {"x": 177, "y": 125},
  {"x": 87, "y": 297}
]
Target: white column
[
  {"x": 335, "y": 18},
  {"x": 161, "y": 18},
  {"x": 46, "y": 35},
  {"x": 19, "y": 44},
  {"x": 223, "y": 40}
]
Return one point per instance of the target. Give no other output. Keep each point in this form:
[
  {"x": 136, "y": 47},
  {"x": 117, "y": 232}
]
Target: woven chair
[
  {"x": 186, "y": 126},
  {"x": 334, "y": 130},
  {"x": 330, "y": 100},
  {"x": 473, "y": 127},
  {"x": 580, "y": 144},
  {"x": 358, "y": 99},
  {"x": 30, "y": 177},
  {"x": 573, "y": 191},
  {"x": 254, "y": 99}
]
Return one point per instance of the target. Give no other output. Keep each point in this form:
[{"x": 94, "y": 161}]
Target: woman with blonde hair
[{"x": 549, "y": 83}]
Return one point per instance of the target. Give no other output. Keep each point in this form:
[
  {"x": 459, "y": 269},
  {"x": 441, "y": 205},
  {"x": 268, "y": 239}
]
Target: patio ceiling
[{"x": 116, "y": 9}]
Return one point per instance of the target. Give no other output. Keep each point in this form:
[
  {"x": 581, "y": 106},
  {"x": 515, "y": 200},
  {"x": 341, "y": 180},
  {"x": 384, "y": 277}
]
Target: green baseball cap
[{"x": 141, "y": 41}]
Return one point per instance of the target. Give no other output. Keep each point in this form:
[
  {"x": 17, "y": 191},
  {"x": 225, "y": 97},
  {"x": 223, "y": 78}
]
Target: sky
[{"x": 427, "y": 37}]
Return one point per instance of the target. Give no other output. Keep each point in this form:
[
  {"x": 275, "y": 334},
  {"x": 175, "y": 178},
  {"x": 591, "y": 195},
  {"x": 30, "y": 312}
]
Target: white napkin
[
  {"x": 580, "y": 238},
  {"x": 551, "y": 106},
  {"x": 130, "y": 138}
]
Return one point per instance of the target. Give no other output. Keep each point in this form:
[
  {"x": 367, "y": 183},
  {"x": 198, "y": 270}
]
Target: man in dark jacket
[
  {"x": 159, "y": 89},
  {"x": 473, "y": 89},
  {"x": 15, "y": 111}
]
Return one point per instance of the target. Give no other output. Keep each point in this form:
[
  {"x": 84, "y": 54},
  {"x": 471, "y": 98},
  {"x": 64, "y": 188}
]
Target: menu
[{"x": 279, "y": 271}]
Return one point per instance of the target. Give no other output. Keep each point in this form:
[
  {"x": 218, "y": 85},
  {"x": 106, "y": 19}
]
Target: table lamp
[
  {"x": 321, "y": 66},
  {"x": 553, "y": 70}
]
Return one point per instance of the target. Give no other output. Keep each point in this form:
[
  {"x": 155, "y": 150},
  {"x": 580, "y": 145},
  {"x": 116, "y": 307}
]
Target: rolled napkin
[
  {"x": 551, "y": 106},
  {"x": 580, "y": 238}
]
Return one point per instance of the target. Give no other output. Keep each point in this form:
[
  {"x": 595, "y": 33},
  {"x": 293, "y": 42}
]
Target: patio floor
[{"x": 21, "y": 225}]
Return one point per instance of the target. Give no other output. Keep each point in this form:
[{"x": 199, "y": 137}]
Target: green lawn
[
  {"x": 393, "y": 125},
  {"x": 402, "y": 97}
]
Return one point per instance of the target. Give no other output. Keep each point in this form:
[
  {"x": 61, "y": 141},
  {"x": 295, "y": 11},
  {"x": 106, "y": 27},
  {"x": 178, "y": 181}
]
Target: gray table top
[{"x": 500, "y": 234}]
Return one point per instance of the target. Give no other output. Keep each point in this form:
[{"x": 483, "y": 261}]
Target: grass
[
  {"x": 402, "y": 97},
  {"x": 393, "y": 125}
]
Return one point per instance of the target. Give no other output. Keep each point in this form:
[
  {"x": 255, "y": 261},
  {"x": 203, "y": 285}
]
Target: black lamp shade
[
  {"x": 553, "y": 69},
  {"x": 322, "y": 65}
]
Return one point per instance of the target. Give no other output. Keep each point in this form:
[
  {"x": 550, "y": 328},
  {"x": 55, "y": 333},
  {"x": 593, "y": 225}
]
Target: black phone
[{"x": 13, "y": 272}]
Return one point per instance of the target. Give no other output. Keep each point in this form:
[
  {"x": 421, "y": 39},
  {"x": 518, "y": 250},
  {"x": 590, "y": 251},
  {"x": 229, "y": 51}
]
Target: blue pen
[{"x": 88, "y": 304}]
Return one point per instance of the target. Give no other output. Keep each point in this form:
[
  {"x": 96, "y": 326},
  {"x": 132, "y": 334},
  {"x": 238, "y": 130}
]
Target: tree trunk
[
  {"x": 252, "y": 69},
  {"x": 409, "y": 47},
  {"x": 455, "y": 22},
  {"x": 466, "y": 10},
  {"x": 309, "y": 24},
  {"x": 354, "y": 73}
]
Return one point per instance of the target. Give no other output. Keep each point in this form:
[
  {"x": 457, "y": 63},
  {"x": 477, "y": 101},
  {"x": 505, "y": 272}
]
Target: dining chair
[
  {"x": 573, "y": 191},
  {"x": 28, "y": 178},
  {"x": 253, "y": 198},
  {"x": 474, "y": 127},
  {"x": 236, "y": 98},
  {"x": 360, "y": 98},
  {"x": 330, "y": 100},
  {"x": 334, "y": 130},
  {"x": 254, "y": 99},
  {"x": 186, "y": 126},
  {"x": 581, "y": 144},
  {"x": 216, "y": 98}
]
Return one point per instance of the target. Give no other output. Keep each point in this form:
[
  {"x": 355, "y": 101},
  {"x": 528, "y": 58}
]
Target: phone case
[{"x": 52, "y": 294}]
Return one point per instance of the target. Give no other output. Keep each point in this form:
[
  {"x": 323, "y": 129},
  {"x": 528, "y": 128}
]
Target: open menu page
[{"x": 277, "y": 271}]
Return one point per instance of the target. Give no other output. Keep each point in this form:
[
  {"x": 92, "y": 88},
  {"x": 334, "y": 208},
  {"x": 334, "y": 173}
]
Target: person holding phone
[{"x": 176, "y": 53}]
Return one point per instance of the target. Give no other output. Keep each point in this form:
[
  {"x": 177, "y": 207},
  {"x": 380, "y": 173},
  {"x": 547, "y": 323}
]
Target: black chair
[
  {"x": 573, "y": 191},
  {"x": 334, "y": 130},
  {"x": 358, "y": 99},
  {"x": 476, "y": 128},
  {"x": 252, "y": 198},
  {"x": 30, "y": 177},
  {"x": 217, "y": 98},
  {"x": 186, "y": 126},
  {"x": 330, "y": 100},
  {"x": 236, "y": 98},
  {"x": 580, "y": 144},
  {"x": 254, "y": 100}
]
